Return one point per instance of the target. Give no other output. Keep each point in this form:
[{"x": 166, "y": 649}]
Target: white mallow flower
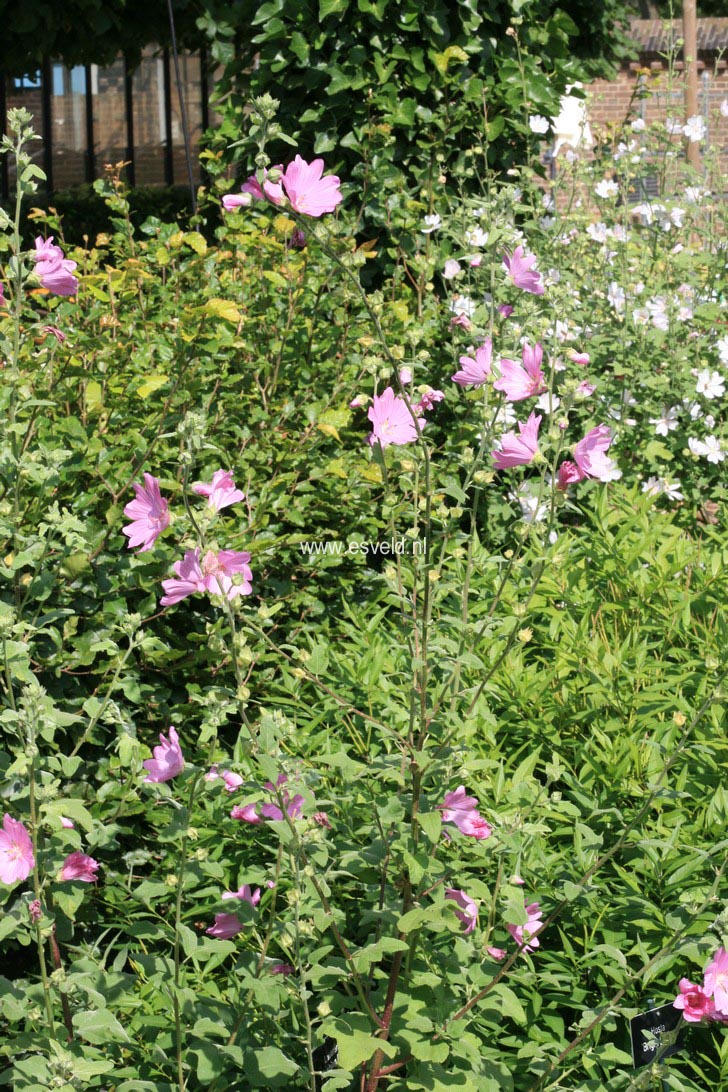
[
  {"x": 531, "y": 510},
  {"x": 684, "y": 313},
  {"x": 673, "y": 126},
  {"x": 607, "y": 188},
  {"x": 476, "y": 237},
  {"x": 641, "y": 316},
  {"x": 431, "y": 223},
  {"x": 695, "y": 194},
  {"x": 452, "y": 268},
  {"x": 695, "y": 128},
  {"x": 616, "y": 296},
  {"x": 599, "y": 232},
  {"x": 724, "y": 108},
  {"x": 548, "y": 201},
  {"x": 667, "y": 422},
  {"x": 548, "y": 402},
  {"x": 610, "y": 471},
  {"x": 654, "y": 487},
  {"x": 714, "y": 452},
  {"x": 658, "y": 312},
  {"x": 506, "y": 416},
  {"x": 644, "y": 213},
  {"x": 710, "y": 448},
  {"x": 538, "y": 124},
  {"x": 638, "y": 125},
  {"x": 710, "y": 384},
  {"x": 677, "y": 215},
  {"x": 463, "y": 305},
  {"x": 620, "y": 233},
  {"x": 672, "y": 489},
  {"x": 722, "y": 348}
]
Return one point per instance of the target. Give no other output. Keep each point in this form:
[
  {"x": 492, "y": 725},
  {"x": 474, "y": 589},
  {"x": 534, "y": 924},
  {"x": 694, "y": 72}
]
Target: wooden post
[
  {"x": 4, "y": 177},
  {"x": 129, "y": 111},
  {"x": 90, "y": 150},
  {"x": 690, "y": 61}
]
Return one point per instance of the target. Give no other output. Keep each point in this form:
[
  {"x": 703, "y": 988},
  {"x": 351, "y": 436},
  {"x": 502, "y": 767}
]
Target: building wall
[
  {"x": 650, "y": 92},
  {"x": 155, "y": 106}
]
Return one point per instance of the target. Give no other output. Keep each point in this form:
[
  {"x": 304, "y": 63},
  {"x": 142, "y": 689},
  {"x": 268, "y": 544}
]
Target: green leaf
[
  {"x": 269, "y": 1067},
  {"x": 99, "y": 1026},
  {"x": 431, "y": 823},
  {"x": 331, "y": 7}
]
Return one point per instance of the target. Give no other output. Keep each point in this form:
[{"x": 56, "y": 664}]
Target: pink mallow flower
[
  {"x": 306, "y": 189},
  {"x": 567, "y": 474},
  {"x": 496, "y": 953},
  {"x": 220, "y": 492},
  {"x": 244, "y": 894},
  {"x": 168, "y": 759},
  {"x": 225, "y": 927},
  {"x": 694, "y": 1002},
  {"x": 475, "y": 371},
  {"x": 715, "y": 981},
  {"x": 78, "y": 866},
  {"x": 522, "y": 381},
  {"x": 149, "y": 512},
  {"x": 579, "y": 358},
  {"x": 246, "y": 813},
  {"x": 281, "y": 968},
  {"x": 257, "y": 812},
  {"x": 232, "y": 780},
  {"x": 523, "y": 934},
  {"x": 427, "y": 401},
  {"x": 213, "y": 574},
  {"x": 16, "y": 851},
  {"x": 462, "y": 810},
  {"x": 468, "y": 912},
  {"x": 54, "y": 271},
  {"x": 53, "y": 331},
  {"x": 391, "y": 420},
  {"x": 67, "y": 823},
  {"x": 520, "y": 268},
  {"x": 518, "y": 450},
  {"x": 272, "y": 191},
  {"x": 590, "y": 454}
]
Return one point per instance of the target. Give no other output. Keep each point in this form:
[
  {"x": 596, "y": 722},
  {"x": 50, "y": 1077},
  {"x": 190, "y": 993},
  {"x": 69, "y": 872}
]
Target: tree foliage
[
  {"x": 388, "y": 82},
  {"x": 35, "y": 29}
]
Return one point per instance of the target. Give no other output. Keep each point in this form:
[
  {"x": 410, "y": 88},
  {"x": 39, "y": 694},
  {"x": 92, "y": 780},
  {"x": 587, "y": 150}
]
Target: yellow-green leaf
[
  {"x": 224, "y": 309},
  {"x": 151, "y": 384},
  {"x": 196, "y": 241}
]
